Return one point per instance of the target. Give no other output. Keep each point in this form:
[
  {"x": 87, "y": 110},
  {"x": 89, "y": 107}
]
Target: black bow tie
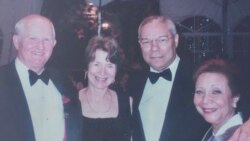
[
  {"x": 34, "y": 77},
  {"x": 153, "y": 76}
]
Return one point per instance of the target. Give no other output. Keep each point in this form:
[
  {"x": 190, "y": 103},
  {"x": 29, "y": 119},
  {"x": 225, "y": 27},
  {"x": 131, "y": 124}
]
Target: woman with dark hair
[
  {"x": 105, "y": 112},
  {"x": 217, "y": 91}
]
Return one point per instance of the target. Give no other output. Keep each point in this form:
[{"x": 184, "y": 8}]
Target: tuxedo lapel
[
  {"x": 19, "y": 121},
  {"x": 178, "y": 100},
  {"x": 174, "y": 108},
  {"x": 15, "y": 119},
  {"x": 180, "y": 115},
  {"x": 71, "y": 104},
  {"x": 136, "y": 88}
]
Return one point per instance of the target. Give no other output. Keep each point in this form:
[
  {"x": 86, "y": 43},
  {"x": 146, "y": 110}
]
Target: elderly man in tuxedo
[
  {"x": 163, "y": 107},
  {"x": 36, "y": 103}
]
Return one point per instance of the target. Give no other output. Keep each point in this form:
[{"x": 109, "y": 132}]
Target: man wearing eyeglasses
[{"x": 163, "y": 107}]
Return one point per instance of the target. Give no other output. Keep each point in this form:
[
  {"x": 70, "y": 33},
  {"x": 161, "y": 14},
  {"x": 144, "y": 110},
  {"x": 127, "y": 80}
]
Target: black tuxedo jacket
[
  {"x": 15, "y": 119},
  {"x": 182, "y": 121}
]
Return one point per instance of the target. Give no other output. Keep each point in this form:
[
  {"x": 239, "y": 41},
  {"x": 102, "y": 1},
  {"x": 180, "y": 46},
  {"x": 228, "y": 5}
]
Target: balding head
[
  {"x": 23, "y": 23},
  {"x": 34, "y": 41}
]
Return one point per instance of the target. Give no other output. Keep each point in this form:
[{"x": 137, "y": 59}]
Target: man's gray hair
[
  {"x": 20, "y": 25},
  {"x": 161, "y": 19}
]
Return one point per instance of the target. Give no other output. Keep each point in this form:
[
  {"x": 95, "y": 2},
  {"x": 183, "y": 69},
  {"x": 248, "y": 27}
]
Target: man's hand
[{"x": 242, "y": 133}]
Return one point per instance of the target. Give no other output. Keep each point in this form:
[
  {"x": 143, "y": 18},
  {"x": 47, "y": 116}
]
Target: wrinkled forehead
[
  {"x": 151, "y": 31},
  {"x": 160, "y": 28}
]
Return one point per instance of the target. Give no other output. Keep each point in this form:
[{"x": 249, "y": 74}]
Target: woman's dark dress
[{"x": 109, "y": 129}]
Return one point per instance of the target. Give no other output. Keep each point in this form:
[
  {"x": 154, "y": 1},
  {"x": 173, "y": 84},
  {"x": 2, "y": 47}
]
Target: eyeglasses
[{"x": 162, "y": 40}]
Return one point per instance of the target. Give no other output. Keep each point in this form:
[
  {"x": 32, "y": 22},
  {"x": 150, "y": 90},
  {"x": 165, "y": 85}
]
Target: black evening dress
[{"x": 109, "y": 129}]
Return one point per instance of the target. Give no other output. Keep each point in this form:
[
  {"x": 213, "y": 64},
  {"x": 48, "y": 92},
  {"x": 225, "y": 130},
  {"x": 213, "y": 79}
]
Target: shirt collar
[
  {"x": 235, "y": 120},
  {"x": 22, "y": 67},
  {"x": 173, "y": 66}
]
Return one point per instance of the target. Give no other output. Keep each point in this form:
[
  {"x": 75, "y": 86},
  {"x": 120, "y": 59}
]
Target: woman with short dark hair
[{"x": 217, "y": 91}]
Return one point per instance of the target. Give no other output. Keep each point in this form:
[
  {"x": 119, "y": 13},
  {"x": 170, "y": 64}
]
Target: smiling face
[
  {"x": 158, "y": 44},
  {"x": 35, "y": 43},
  {"x": 101, "y": 72},
  {"x": 213, "y": 98}
]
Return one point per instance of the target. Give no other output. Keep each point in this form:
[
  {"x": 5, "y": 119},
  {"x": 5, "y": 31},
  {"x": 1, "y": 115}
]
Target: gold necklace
[{"x": 96, "y": 111}]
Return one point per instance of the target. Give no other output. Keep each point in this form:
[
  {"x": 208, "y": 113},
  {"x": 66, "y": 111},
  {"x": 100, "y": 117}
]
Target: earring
[
  {"x": 235, "y": 105},
  {"x": 235, "y": 101},
  {"x": 85, "y": 75}
]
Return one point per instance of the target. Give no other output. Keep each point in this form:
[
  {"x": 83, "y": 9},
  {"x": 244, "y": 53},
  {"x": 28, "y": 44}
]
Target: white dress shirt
[
  {"x": 235, "y": 120},
  {"x": 225, "y": 131},
  {"x": 45, "y": 106},
  {"x": 154, "y": 103}
]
